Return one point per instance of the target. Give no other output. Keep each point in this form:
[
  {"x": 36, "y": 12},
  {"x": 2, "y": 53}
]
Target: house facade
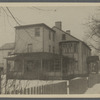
[
  {"x": 80, "y": 52},
  {"x": 47, "y": 53},
  {"x": 72, "y": 47},
  {"x": 34, "y": 38}
]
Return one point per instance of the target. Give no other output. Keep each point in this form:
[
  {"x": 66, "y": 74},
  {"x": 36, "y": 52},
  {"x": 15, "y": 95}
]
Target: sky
[{"x": 72, "y": 17}]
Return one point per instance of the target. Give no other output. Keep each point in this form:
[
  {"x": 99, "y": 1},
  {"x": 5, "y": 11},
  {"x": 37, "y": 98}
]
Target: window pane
[{"x": 18, "y": 66}]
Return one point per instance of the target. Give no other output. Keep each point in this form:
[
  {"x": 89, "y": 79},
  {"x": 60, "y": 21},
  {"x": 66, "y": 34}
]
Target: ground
[{"x": 94, "y": 90}]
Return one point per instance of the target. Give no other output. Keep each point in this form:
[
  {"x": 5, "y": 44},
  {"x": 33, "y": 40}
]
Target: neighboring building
[
  {"x": 57, "y": 54},
  {"x": 5, "y": 51}
]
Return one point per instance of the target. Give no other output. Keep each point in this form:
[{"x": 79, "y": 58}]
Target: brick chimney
[{"x": 58, "y": 24}]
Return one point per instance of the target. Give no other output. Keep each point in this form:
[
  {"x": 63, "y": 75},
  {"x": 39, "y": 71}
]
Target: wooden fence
[
  {"x": 58, "y": 88},
  {"x": 77, "y": 85}
]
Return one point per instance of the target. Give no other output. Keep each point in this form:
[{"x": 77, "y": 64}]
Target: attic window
[{"x": 63, "y": 37}]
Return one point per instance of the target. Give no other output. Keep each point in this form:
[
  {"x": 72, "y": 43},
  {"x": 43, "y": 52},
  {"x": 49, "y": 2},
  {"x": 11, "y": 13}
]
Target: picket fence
[{"x": 58, "y": 88}]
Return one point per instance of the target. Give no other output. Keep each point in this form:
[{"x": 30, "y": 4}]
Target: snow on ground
[
  {"x": 94, "y": 90},
  {"x": 25, "y": 83}
]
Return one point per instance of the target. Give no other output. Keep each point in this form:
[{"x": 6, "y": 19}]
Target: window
[
  {"x": 53, "y": 49},
  {"x": 48, "y": 65},
  {"x": 63, "y": 36},
  {"x": 29, "y": 66},
  {"x": 53, "y": 36},
  {"x": 18, "y": 66},
  {"x": 9, "y": 53},
  {"x": 32, "y": 65},
  {"x": 50, "y": 35},
  {"x": 29, "y": 48},
  {"x": 11, "y": 65},
  {"x": 75, "y": 48},
  {"x": 70, "y": 48},
  {"x": 49, "y": 48},
  {"x": 37, "y": 32}
]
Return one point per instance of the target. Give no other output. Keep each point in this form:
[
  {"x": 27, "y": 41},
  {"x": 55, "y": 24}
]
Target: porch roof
[{"x": 37, "y": 55}]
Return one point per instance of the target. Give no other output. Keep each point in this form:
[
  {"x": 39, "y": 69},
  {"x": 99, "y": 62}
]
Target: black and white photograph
[{"x": 49, "y": 49}]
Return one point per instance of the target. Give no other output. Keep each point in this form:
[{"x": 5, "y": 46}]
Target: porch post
[
  {"x": 6, "y": 77},
  {"x": 41, "y": 70},
  {"x": 23, "y": 69},
  {"x": 41, "y": 64},
  {"x": 61, "y": 67}
]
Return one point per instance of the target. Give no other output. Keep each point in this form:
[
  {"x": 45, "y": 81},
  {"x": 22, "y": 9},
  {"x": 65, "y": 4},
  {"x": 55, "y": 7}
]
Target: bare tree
[{"x": 92, "y": 36}]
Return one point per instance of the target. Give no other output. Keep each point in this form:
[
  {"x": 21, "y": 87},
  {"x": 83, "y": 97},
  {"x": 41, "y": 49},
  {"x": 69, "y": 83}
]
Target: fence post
[
  {"x": 87, "y": 81},
  {"x": 31, "y": 90},
  {"x": 67, "y": 86}
]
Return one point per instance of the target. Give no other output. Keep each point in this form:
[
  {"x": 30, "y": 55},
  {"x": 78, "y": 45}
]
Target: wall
[
  {"x": 70, "y": 38},
  {"x": 85, "y": 53},
  {"x": 25, "y": 36},
  {"x": 59, "y": 37},
  {"x": 47, "y": 41},
  {"x": 92, "y": 80},
  {"x": 78, "y": 85},
  {"x": 80, "y": 58}
]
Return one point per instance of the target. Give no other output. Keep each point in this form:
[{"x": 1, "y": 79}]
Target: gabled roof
[
  {"x": 7, "y": 46},
  {"x": 73, "y": 37},
  {"x": 67, "y": 33},
  {"x": 30, "y": 25}
]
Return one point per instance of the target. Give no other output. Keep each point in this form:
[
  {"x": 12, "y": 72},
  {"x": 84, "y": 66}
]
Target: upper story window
[
  {"x": 70, "y": 48},
  {"x": 63, "y": 36},
  {"x": 50, "y": 35},
  {"x": 29, "y": 48},
  {"x": 53, "y": 36},
  {"x": 37, "y": 32},
  {"x": 75, "y": 48}
]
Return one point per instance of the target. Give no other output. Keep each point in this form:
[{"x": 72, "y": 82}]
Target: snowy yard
[{"x": 94, "y": 90}]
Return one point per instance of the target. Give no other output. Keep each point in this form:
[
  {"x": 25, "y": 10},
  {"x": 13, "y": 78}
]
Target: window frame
[
  {"x": 29, "y": 49},
  {"x": 37, "y": 32},
  {"x": 49, "y": 35}
]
